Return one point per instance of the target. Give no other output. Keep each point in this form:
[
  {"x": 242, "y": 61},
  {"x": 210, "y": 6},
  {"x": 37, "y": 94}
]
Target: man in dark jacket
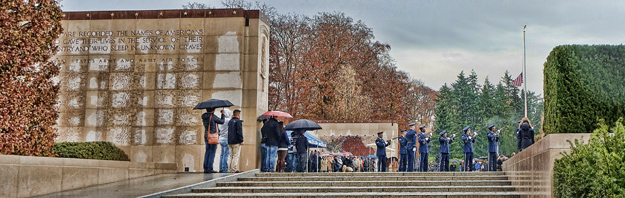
[
  {"x": 444, "y": 149},
  {"x": 210, "y": 121},
  {"x": 493, "y": 141},
  {"x": 526, "y": 134},
  {"x": 300, "y": 149},
  {"x": 269, "y": 143},
  {"x": 235, "y": 139},
  {"x": 424, "y": 141},
  {"x": 381, "y": 152},
  {"x": 468, "y": 140},
  {"x": 411, "y": 137},
  {"x": 403, "y": 157}
]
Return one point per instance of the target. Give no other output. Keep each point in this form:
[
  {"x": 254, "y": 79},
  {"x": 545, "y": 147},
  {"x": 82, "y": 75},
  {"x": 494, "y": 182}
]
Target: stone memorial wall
[{"x": 133, "y": 77}]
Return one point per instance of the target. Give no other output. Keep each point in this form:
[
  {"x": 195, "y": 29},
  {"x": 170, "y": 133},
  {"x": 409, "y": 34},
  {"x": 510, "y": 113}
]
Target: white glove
[
  {"x": 474, "y": 133},
  {"x": 453, "y": 136},
  {"x": 414, "y": 149},
  {"x": 469, "y": 137},
  {"x": 426, "y": 139}
]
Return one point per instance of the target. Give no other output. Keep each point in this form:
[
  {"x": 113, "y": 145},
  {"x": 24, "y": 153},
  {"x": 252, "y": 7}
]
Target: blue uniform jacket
[
  {"x": 423, "y": 144},
  {"x": 381, "y": 146},
  {"x": 445, "y": 144},
  {"x": 411, "y": 136},
  {"x": 468, "y": 143},
  {"x": 402, "y": 144},
  {"x": 492, "y": 142}
]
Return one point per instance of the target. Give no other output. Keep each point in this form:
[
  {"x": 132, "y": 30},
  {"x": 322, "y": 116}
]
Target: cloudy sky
[{"x": 434, "y": 40}]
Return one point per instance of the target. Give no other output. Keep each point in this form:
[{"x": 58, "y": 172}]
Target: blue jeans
[
  {"x": 290, "y": 163},
  {"x": 209, "y": 156},
  {"x": 301, "y": 162},
  {"x": 270, "y": 157},
  {"x": 223, "y": 157}
]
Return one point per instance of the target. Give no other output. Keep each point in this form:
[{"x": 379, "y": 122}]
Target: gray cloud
[{"x": 435, "y": 40}]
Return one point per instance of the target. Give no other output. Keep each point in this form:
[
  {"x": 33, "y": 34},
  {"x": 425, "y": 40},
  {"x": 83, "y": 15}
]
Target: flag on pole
[{"x": 518, "y": 81}]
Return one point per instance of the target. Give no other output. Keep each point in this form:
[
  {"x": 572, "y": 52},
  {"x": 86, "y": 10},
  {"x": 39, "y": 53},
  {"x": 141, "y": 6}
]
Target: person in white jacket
[{"x": 223, "y": 142}]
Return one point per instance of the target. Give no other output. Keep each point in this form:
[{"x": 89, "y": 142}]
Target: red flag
[{"x": 518, "y": 81}]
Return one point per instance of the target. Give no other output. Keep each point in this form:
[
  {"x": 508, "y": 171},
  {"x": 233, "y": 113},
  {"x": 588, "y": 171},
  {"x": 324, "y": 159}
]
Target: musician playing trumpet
[
  {"x": 493, "y": 139},
  {"x": 445, "y": 141},
  {"x": 424, "y": 140},
  {"x": 468, "y": 140}
]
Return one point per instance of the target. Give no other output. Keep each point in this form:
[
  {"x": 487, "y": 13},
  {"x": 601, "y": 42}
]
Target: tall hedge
[{"x": 582, "y": 85}]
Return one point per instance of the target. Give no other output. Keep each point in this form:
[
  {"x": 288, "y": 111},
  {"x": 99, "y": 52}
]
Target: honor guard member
[
  {"x": 445, "y": 141},
  {"x": 411, "y": 137},
  {"x": 381, "y": 152},
  {"x": 403, "y": 159},
  {"x": 493, "y": 139},
  {"x": 424, "y": 140},
  {"x": 468, "y": 140}
]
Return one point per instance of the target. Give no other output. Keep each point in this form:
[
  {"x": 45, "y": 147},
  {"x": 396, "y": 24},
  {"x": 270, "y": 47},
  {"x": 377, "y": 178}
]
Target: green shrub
[
  {"x": 596, "y": 169},
  {"x": 90, "y": 150},
  {"x": 582, "y": 85}
]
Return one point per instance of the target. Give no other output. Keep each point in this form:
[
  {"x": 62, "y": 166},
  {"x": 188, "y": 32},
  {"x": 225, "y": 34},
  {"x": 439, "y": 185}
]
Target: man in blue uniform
[
  {"x": 402, "y": 151},
  {"x": 381, "y": 152},
  {"x": 468, "y": 140},
  {"x": 445, "y": 141},
  {"x": 493, "y": 139},
  {"x": 424, "y": 140},
  {"x": 411, "y": 137}
]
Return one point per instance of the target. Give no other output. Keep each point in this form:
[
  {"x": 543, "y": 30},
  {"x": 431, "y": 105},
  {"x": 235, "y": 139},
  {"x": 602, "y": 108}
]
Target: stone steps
[
  {"x": 351, "y": 194},
  {"x": 375, "y": 178},
  {"x": 368, "y": 183},
  {"x": 335, "y": 189},
  {"x": 415, "y": 184},
  {"x": 339, "y": 174}
]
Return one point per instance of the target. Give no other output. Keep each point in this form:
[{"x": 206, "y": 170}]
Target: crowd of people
[{"x": 279, "y": 153}]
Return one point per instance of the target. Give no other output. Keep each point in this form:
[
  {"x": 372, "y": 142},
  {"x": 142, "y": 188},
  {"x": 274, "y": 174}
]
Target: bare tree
[{"x": 196, "y": 6}]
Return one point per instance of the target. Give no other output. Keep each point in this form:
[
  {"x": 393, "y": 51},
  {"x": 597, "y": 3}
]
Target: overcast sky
[{"x": 434, "y": 40}]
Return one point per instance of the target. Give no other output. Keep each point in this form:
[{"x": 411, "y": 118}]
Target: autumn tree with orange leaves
[
  {"x": 28, "y": 30},
  {"x": 329, "y": 67}
]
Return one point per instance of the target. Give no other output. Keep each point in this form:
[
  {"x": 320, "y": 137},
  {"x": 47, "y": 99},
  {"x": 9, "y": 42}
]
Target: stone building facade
[{"x": 133, "y": 77}]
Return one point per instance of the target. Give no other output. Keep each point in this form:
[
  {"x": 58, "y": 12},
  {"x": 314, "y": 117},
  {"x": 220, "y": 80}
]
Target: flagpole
[{"x": 524, "y": 73}]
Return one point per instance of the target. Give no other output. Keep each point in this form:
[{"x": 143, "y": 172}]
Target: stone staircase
[{"x": 435, "y": 184}]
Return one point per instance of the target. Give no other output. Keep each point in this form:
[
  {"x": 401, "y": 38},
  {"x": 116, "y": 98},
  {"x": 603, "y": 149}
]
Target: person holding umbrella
[
  {"x": 381, "y": 152},
  {"x": 301, "y": 149},
  {"x": 269, "y": 144},
  {"x": 211, "y": 132},
  {"x": 210, "y": 121}
]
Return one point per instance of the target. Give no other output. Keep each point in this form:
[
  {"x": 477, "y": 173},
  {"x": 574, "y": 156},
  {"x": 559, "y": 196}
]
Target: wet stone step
[
  {"x": 369, "y": 183},
  {"x": 360, "y": 189},
  {"x": 373, "y": 194},
  {"x": 334, "y": 174},
  {"x": 376, "y": 178}
]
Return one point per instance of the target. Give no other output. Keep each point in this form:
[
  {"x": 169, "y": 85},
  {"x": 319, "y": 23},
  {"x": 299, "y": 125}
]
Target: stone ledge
[{"x": 26, "y": 176}]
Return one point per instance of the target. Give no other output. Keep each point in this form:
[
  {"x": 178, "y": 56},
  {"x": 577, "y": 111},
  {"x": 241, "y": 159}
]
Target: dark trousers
[
  {"x": 381, "y": 163},
  {"x": 281, "y": 161},
  {"x": 403, "y": 162},
  {"x": 209, "y": 156},
  {"x": 444, "y": 162},
  {"x": 301, "y": 162},
  {"x": 492, "y": 161},
  {"x": 423, "y": 165},
  {"x": 468, "y": 161},
  {"x": 410, "y": 157}
]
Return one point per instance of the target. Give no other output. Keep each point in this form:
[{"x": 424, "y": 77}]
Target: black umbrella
[
  {"x": 213, "y": 103},
  {"x": 262, "y": 117},
  {"x": 303, "y": 124}
]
